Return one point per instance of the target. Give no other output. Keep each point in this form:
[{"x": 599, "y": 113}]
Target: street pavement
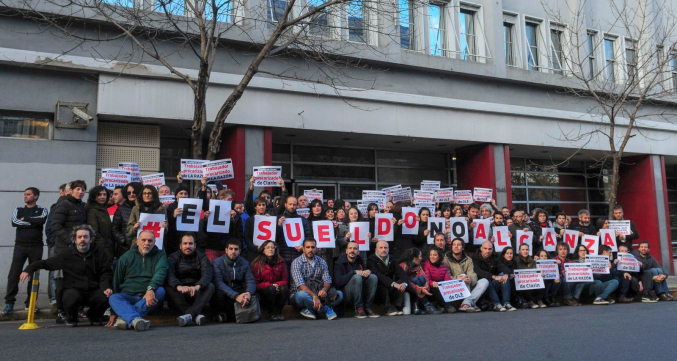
[{"x": 617, "y": 332}]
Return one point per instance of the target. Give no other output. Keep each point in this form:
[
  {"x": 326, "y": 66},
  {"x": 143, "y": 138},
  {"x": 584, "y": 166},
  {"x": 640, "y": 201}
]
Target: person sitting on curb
[
  {"x": 234, "y": 282},
  {"x": 356, "y": 282}
]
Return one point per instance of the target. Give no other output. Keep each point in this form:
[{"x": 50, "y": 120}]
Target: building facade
[{"x": 470, "y": 93}]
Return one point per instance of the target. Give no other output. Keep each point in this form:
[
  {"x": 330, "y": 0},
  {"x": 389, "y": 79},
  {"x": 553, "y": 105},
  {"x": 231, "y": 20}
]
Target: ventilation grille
[
  {"x": 109, "y": 157},
  {"x": 132, "y": 135}
]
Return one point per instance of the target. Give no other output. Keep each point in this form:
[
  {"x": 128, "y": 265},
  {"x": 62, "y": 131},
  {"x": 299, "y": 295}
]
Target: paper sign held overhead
[
  {"x": 483, "y": 194},
  {"x": 115, "y": 177},
  {"x": 303, "y": 212},
  {"x": 421, "y": 196},
  {"x": 622, "y": 227},
  {"x": 312, "y": 195},
  {"x": 132, "y": 167},
  {"x": 428, "y": 185},
  {"x": 444, "y": 195},
  {"x": 267, "y": 176},
  {"x": 191, "y": 169},
  {"x": 156, "y": 180},
  {"x": 463, "y": 197},
  {"x": 218, "y": 169}
]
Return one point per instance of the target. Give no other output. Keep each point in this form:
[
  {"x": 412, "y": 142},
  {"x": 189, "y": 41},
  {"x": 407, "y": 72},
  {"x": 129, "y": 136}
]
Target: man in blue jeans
[
  {"x": 137, "y": 282},
  {"x": 356, "y": 282},
  {"x": 310, "y": 284},
  {"x": 654, "y": 278}
]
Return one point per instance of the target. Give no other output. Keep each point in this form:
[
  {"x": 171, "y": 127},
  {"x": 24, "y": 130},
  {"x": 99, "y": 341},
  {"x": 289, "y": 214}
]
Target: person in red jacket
[
  {"x": 436, "y": 271},
  {"x": 272, "y": 284}
]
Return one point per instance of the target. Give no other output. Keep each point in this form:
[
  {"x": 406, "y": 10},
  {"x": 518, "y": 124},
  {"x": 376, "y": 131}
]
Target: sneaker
[
  {"x": 61, "y": 318},
  {"x": 499, "y": 308},
  {"x": 308, "y": 314},
  {"x": 508, "y": 307},
  {"x": 534, "y": 305},
  {"x": 330, "y": 313},
  {"x": 391, "y": 311},
  {"x": 611, "y": 301},
  {"x": 430, "y": 309},
  {"x": 600, "y": 301},
  {"x": 646, "y": 298},
  {"x": 139, "y": 324},
  {"x": 184, "y": 320},
  {"x": 359, "y": 313},
  {"x": 400, "y": 312},
  {"x": 120, "y": 323},
  {"x": 466, "y": 308},
  {"x": 370, "y": 313},
  {"x": 277, "y": 317},
  {"x": 450, "y": 309},
  {"x": 663, "y": 297},
  {"x": 477, "y": 309},
  {"x": 9, "y": 308},
  {"x": 200, "y": 319},
  {"x": 418, "y": 311},
  {"x": 541, "y": 304},
  {"x": 624, "y": 299},
  {"x": 222, "y": 318},
  {"x": 670, "y": 298}
]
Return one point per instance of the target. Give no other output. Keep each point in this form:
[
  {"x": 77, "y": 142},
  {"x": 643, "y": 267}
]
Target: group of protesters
[{"x": 103, "y": 269}]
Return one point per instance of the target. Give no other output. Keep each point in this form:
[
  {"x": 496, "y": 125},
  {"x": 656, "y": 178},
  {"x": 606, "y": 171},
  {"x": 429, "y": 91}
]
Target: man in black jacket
[
  {"x": 486, "y": 265},
  {"x": 64, "y": 190},
  {"x": 87, "y": 275},
  {"x": 634, "y": 233},
  {"x": 189, "y": 281},
  {"x": 28, "y": 221},
  {"x": 583, "y": 225},
  {"x": 357, "y": 283},
  {"x": 390, "y": 289},
  {"x": 653, "y": 275}
]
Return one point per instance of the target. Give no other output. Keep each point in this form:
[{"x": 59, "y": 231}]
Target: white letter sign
[
  {"x": 264, "y": 229},
  {"x": 384, "y": 227},
  {"x": 189, "y": 220},
  {"x": 409, "y": 223},
  {"x": 153, "y": 222},
  {"x": 293, "y": 231},
  {"x": 358, "y": 233},
  {"x": 501, "y": 239},
  {"x": 219, "y": 216}
]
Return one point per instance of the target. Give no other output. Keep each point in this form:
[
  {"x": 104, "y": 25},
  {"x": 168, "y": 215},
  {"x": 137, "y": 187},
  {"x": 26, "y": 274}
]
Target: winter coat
[
  {"x": 136, "y": 215},
  {"x": 386, "y": 274},
  {"x": 134, "y": 272},
  {"x": 120, "y": 220},
  {"x": 98, "y": 218},
  {"x": 87, "y": 271},
  {"x": 190, "y": 270},
  {"x": 289, "y": 254},
  {"x": 401, "y": 242},
  {"x": 266, "y": 275},
  {"x": 646, "y": 263},
  {"x": 51, "y": 238},
  {"x": 233, "y": 277},
  {"x": 29, "y": 223},
  {"x": 459, "y": 267},
  {"x": 436, "y": 273},
  {"x": 344, "y": 270},
  {"x": 488, "y": 267},
  {"x": 414, "y": 272},
  {"x": 524, "y": 263},
  {"x": 69, "y": 212}
]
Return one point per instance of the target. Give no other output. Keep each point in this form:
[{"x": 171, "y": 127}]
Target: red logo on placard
[{"x": 154, "y": 227}]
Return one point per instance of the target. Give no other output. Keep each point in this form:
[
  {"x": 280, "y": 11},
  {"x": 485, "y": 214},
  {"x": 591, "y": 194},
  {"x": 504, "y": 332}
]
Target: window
[
  {"x": 36, "y": 127},
  {"x": 437, "y": 33},
  {"x": 509, "y": 43},
  {"x": 276, "y": 9},
  {"x": 468, "y": 34},
  {"x": 631, "y": 60},
  {"x": 557, "y": 55},
  {"x": 610, "y": 59},
  {"x": 406, "y": 25},
  {"x": 673, "y": 69},
  {"x": 356, "y": 22},
  {"x": 170, "y": 7},
  {"x": 224, "y": 11},
  {"x": 532, "y": 46},
  {"x": 319, "y": 25},
  {"x": 591, "y": 56}
]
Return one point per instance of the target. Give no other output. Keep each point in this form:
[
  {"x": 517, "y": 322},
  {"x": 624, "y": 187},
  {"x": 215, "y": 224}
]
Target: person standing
[
  {"x": 28, "y": 221},
  {"x": 634, "y": 233},
  {"x": 64, "y": 190},
  {"x": 98, "y": 218},
  {"x": 123, "y": 242}
]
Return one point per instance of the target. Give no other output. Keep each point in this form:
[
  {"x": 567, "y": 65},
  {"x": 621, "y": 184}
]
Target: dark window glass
[
  {"x": 671, "y": 171},
  {"x": 24, "y": 127},
  {"x": 671, "y": 183},
  {"x": 328, "y": 191},
  {"x": 597, "y": 181},
  {"x": 517, "y": 179},
  {"x": 307, "y": 153},
  {"x": 281, "y": 152},
  {"x": 412, "y": 159},
  {"x": 411, "y": 176},
  {"x": 599, "y": 210},
  {"x": 519, "y": 194},
  {"x": 172, "y": 150},
  {"x": 598, "y": 195},
  {"x": 540, "y": 165},
  {"x": 520, "y": 206},
  {"x": 333, "y": 172},
  {"x": 354, "y": 191},
  {"x": 516, "y": 163},
  {"x": 286, "y": 174},
  {"x": 554, "y": 195}
]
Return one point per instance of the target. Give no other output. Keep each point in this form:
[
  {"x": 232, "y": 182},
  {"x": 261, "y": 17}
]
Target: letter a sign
[
  {"x": 549, "y": 239},
  {"x": 481, "y": 231},
  {"x": 608, "y": 238},
  {"x": 293, "y": 231},
  {"x": 264, "y": 229}
]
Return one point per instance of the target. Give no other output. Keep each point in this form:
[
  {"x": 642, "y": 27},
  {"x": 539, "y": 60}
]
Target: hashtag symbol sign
[{"x": 154, "y": 227}]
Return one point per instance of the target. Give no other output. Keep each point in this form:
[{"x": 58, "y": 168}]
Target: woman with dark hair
[
  {"x": 340, "y": 215},
  {"x": 539, "y": 222},
  {"x": 418, "y": 283},
  {"x": 436, "y": 271},
  {"x": 534, "y": 298},
  {"x": 595, "y": 288},
  {"x": 317, "y": 214},
  {"x": 507, "y": 260},
  {"x": 270, "y": 274},
  {"x": 98, "y": 218},
  {"x": 329, "y": 214},
  {"x": 401, "y": 242},
  {"x": 149, "y": 202},
  {"x": 354, "y": 215},
  {"x": 421, "y": 240},
  {"x": 121, "y": 218},
  {"x": 446, "y": 212},
  {"x": 372, "y": 211},
  {"x": 260, "y": 207}
]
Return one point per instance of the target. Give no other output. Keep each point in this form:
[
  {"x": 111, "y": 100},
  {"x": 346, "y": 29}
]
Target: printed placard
[
  {"x": 167, "y": 199},
  {"x": 292, "y": 228},
  {"x": 528, "y": 279},
  {"x": 549, "y": 239},
  {"x": 501, "y": 238},
  {"x": 421, "y": 196},
  {"x": 264, "y": 229},
  {"x": 430, "y": 206},
  {"x": 219, "y": 216},
  {"x": 444, "y": 195},
  {"x": 571, "y": 238},
  {"x": 363, "y": 208},
  {"x": 622, "y": 227},
  {"x": 549, "y": 268},
  {"x": 428, "y": 185},
  {"x": 389, "y": 190},
  {"x": 218, "y": 169},
  {"x": 463, "y": 197},
  {"x": 607, "y": 237},
  {"x": 303, "y": 212},
  {"x": 402, "y": 195},
  {"x": 383, "y": 227},
  {"x": 627, "y": 263},
  {"x": 115, "y": 177},
  {"x": 378, "y": 197},
  {"x": 481, "y": 231},
  {"x": 483, "y": 194},
  {"x": 591, "y": 243},
  {"x": 156, "y": 180},
  {"x": 314, "y": 194},
  {"x": 189, "y": 220},
  {"x": 578, "y": 272},
  {"x": 324, "y": 234},
  {"x": 525, "y": 237},
  {"x": 153, "y": 222},
  {"x": 132, "y": 167},
  {"x": 409, "y": 220},
  {"x": 359, "y": 233},
  {"x": 267, "y": 176},
  {"x": 599, "y": 264},
  {"x": 435, "y": 226},
  {"x": 191, "y": 169},
  {"x": 453, "y": 290},
  {"x": 459, "y": 228}
]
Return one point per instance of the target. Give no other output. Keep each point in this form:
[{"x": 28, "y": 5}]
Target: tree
[
  {"x": 629, "y": 87},
  {"x": 312, "y": 31}
]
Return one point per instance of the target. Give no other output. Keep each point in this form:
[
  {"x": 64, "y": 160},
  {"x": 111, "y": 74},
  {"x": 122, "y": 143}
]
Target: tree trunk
[
  {"x": 613, "y": 194},
  {"x": 200, "y": 111}
]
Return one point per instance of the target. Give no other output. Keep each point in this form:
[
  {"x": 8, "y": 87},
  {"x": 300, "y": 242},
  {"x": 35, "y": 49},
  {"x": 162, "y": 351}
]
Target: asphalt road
[{"x": 618, "y": 332}]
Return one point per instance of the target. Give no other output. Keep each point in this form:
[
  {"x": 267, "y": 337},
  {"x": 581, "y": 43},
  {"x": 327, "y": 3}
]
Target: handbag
[{"x": 250, "y": 313}]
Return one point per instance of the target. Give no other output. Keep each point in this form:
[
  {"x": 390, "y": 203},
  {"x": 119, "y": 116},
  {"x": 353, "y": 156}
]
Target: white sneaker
[
  {"x": 199, "y": 320},
  {"x": 120, "y": 323},
  {"x": 600, "y": 301},
  {"x": 140, "y": 324},
  {"x": 184, "y": 320},
  {"x": 508, "y": 307}
]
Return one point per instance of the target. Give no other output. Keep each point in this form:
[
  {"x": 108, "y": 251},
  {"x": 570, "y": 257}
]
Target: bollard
[{"x": 30, "y": 324}]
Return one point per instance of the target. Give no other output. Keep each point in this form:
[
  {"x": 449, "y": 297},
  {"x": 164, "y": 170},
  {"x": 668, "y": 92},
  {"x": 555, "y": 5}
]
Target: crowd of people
[{"x": 100, "y": 262}]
